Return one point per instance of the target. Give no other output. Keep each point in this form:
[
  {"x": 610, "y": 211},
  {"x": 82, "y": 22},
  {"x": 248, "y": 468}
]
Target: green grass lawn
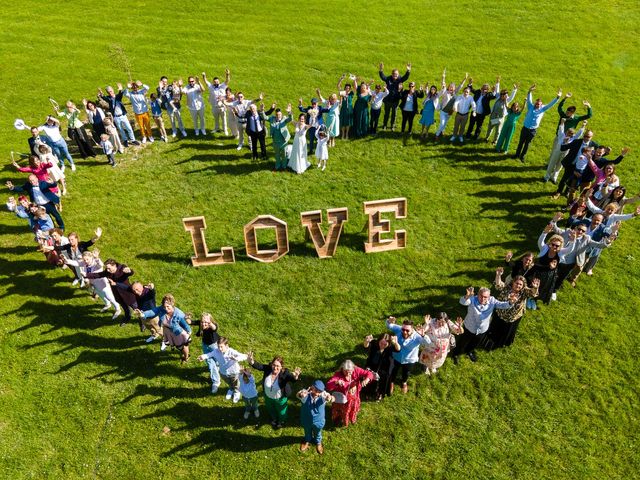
[{"x": 81, "y": 397}]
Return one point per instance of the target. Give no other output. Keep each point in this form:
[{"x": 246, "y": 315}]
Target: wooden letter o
[{"x": 251, "y": 241}]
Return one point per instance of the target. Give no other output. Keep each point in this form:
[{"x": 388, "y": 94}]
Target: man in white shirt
[
  {"x": 464, "y": 104},
  {"x": 216, "y": 97},
  {"x": 376, "y": 107},
  {"x": 195, "y": 104}
]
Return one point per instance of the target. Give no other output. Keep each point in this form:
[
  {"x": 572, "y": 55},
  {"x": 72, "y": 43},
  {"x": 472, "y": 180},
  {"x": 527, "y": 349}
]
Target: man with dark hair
[
  {"x": 40, "y": 193},
  {"x": 392, "y": 100},
  {"x": 118, "y": 276}
]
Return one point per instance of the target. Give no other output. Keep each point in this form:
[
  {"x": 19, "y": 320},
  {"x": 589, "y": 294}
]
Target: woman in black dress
[{"x": 380, "y": 362}]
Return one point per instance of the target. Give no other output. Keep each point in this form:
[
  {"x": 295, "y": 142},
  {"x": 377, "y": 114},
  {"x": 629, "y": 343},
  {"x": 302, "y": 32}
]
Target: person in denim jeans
[{"x": 58, "y": 144}]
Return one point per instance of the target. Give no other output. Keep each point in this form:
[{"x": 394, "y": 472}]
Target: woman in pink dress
[
  {"x": 345, "y": 385},
  {"x": 441, "y": 331}
]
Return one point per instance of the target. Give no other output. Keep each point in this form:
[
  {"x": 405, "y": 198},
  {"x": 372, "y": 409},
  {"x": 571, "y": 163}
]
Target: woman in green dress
[
  {"x": 361, "y": 111},
  {"x": 346, "y": 108},
  {"x": 508, "y": 128}
]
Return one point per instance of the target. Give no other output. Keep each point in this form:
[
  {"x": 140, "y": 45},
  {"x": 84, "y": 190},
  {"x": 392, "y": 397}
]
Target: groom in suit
[{"x": 483, "y": 99}]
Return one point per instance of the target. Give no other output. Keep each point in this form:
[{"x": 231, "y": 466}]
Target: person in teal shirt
[{"x": 279, "y": 135}]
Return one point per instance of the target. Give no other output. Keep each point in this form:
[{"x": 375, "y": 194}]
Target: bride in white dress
[{"x": 298, "y": 158}]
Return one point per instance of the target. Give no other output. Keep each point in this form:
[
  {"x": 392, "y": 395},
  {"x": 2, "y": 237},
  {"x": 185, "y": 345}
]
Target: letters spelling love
[{"x": 325, "y": 246}]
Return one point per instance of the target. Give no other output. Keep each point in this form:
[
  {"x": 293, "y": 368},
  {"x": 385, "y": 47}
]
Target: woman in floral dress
[{"x": 441, "y": 331}]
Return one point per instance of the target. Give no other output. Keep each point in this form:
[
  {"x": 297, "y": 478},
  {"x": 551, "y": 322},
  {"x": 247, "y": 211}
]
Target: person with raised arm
[
  {"x": 499, "y": 112},
  {"x": 312, "y": 414},
  {"x": 276, "y": 384},
  {"x": 442, "y": 331},
  {"x": 535, "y": 112},
  {"x": 42, "y": 194},
  {"x": 136, "y": 92},
  {"x": 410, "y": 341},
  {"x": 280, "y": 135},
  {"x": 75, "y": 128},
  {"x": 119, "y": 113},
  {"x": 175, "y": 328},
  {"x": 480, "y": 307},
  {"x": 392, "y": 100},
  {"x": 195, "y": 103},
  {"x": 216, "y": 100},
  {"x": 347, "y": 384},
  {"x": 447, "y": 98},
  {"x": 51, "y": 128},
  {"x": 482, "y": 98},
  {"x": 169, "y": 95}
]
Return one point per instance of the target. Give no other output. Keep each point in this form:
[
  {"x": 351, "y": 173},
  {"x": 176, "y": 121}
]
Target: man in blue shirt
[
  {"x": 535, "y": 112},
  {"x": 476, "y": 323},
  {"x": 410, "y": 341}
]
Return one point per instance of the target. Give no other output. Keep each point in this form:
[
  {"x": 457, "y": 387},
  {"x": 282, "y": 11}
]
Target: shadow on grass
[
  {"x": 218, "y": 436},
  {"x": 54, "y": 317}
]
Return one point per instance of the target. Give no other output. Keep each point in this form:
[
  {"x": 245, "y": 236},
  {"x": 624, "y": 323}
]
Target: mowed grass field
[{"x": 81, "y": 397}]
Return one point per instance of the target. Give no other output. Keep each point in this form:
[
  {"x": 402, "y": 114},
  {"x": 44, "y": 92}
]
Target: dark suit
[
  {"x": 53, "y": 199},
  {"x": 257, "y": 132},
  {"x": 478, "y": 119},
  {"x": 568, "y": 162},
  {"x": 407, "y": 116},
  {"x": 391, "y": 101}
]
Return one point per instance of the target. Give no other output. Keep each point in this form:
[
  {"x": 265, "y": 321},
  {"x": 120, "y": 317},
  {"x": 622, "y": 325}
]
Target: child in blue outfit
[
  {"x": 247, "y": 387},
  {"x": 313, "y": 400}
]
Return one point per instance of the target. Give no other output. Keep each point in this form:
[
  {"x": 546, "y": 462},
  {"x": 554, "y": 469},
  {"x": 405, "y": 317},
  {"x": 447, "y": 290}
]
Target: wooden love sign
[{"x": 325, "y": 246}]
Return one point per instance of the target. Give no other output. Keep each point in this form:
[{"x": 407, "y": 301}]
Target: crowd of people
[{"x": 595, "y": 199}]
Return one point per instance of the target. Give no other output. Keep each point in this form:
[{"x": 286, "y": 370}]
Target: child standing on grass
[
  {"x": 114, "y": 136},
  {"x": 249, "y": 393},
  {"x": 107, "y": 148},
  {"x": 228, "y": 361},
  {"x": 312, "y": 415},
  {"x": 322, "y": 150}
]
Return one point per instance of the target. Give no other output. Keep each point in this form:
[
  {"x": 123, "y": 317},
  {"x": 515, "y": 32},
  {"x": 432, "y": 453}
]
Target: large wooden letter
[
  {"x": 196, "y": 227},
  {"x": 251, "y": 241},
  {"x": 312, "y": 220},
  {"x": 378, "y": 226}
]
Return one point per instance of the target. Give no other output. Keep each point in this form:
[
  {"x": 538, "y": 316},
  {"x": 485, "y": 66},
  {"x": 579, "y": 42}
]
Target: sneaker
[
  {"x": 214, "y": 388},
  {"x": 105, "y": 308},
  {"x": 75, "y": 282},
  {"x": 589, "y": 273},
  {"x": 197, "y": 132},
  {"x": 135, "y": 142},
  {"x": 163, "y": 346},
  {"x": 164, "y": 139},
  {"x": 461, "y": 139},
  {"x": 229, "y": 395},
  {"x": 150, "y": 339},
  {"x": 117, "y": 314},
  {"x": 472, "y": 356},
  {"x": 239, "y": 147},
  {"x": 324, "y": 167},
  {"x": 554, "y": 297},
  {"x": 82, "y": 283},
  {"x": 256, "y": 412},
  {"x": 319, "y": 165},
  {"x": 203, "y": 131},
  {"x": 246, "y": 415},
  {"x": 174, "y": 134},
  {"x": 144, "y": 139},
  {"x": 184, "y": 133},
  {"x": 453, "y": 138},
  {"x": 151, "y": 139},
  {"x": 73, "y": 167},
  {"x": 125, "y": 143},
  {"x": 236, "y": 397}
]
